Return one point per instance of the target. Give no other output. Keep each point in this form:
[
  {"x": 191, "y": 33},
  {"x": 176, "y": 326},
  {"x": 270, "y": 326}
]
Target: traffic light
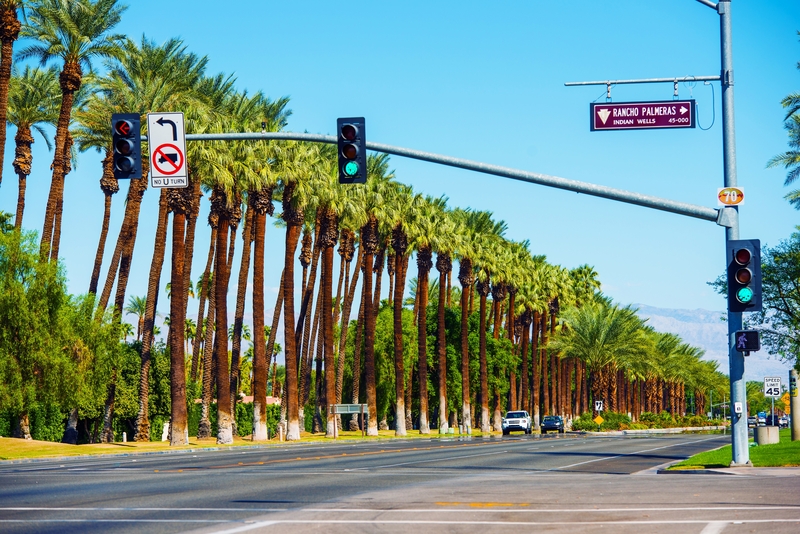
[
  {"x": 747, "y": 341},
  {"x": 126, "y": 135},
  {"x": 352, "y": 143},
  {"x": 744, "y": 275}
]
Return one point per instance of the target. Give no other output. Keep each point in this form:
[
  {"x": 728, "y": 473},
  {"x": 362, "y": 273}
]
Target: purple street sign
[{"x": 642, "y": 115}]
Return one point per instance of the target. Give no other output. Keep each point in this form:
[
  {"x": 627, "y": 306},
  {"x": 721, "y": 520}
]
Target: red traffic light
[
  {"x": 742, "y": 256},
  {"x": 349, "y": 132},
  {"x": 123, "y": 127}
]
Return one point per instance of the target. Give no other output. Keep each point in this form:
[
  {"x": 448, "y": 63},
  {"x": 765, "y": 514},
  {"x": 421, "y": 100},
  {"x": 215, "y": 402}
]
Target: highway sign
[
  {"x": 730, "y": 196},
  {"x": 598, "y": 406},
  {"x": 772, "y": 386},
  {"x": 642, "y": 115},
  {"x": 165, "y": 136}
]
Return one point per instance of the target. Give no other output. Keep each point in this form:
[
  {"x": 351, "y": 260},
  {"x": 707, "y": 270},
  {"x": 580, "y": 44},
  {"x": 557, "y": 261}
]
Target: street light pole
[{"x": 740, "y": 451}]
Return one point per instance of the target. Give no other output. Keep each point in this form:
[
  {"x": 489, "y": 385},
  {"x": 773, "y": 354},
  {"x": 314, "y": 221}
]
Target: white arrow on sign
[
  {"x": 604, "y": 114},
  {"x": 683, "y": 110}
]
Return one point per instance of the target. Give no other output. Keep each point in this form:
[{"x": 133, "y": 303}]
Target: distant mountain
[{"x": 709, "y": 331}]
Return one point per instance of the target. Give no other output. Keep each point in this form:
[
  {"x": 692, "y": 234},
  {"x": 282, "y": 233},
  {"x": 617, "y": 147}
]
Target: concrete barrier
[{"x": 767, "y": 435}]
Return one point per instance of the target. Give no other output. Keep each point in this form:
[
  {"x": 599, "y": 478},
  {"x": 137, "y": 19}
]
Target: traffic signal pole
[{"x": 739, "y": 442}]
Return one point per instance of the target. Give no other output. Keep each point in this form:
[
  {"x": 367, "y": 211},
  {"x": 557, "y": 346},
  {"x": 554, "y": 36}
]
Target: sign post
[{"x": 166, "y": 138}]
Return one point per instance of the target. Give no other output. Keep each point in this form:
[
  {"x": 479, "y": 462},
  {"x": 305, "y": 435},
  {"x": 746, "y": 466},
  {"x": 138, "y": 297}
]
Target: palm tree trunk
[
  {"x": 23, "y": 157},
  {"x": 369, "y": 240},
  {"x": 238, "y": 319},
  {"x": 345, "y": 323},
  {"x": 357, "y": 350},
  {"x": 179, "y": 430},
  {"x": 327, "y": 330},
  {"x": 9, "y": 31},
  {"x": 483, "y": 290},
  {"x": 424, "y": 265},
  {"x": 205, "y": 289},
  {"x": 400, "y": 246},
  {"x": 204, "y": 428},
  {"x": 109, "y": 186},
  {"x": 525, "y": 370},
  {"x": 443, "y": 265},
  {"x": 294, "y": 221},
  {"x": 536, "y": 370},
  {"x": 142, "y": 418},
  {"x": 70, "y": 81},
  {"x": 224, "y": 416},
  {"x": 466, "y": 278},
  {"x": 261, "y": 204}
]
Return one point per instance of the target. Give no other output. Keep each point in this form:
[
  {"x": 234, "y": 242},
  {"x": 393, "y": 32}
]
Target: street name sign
[
  {"x": 165, "y": 136},
  {"x": 772, "y": 386},
  {"x": 642, "y": 115}
]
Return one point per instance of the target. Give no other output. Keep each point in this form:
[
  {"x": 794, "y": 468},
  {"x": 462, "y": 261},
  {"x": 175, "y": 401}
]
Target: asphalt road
[{"x": 554, "y": 483}]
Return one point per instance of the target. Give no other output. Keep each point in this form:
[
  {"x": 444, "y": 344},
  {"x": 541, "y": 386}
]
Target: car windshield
[
  {"x": 516, "y": 415},
  {"x": 551, "y": 419}
]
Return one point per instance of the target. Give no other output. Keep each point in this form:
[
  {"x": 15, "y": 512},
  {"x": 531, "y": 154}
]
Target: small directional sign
[
  {"x": 165, "y": 136},
  {"x": 642, "y": 115},
  {"x": 598, "y": 406}
]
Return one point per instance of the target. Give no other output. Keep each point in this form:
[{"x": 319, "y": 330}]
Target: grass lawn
[
  {"x": 20, "y": 449},
  {"x": 783, "y": 454}
]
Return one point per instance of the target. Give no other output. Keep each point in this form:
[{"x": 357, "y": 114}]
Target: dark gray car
[{"x": 552, "y": 422}]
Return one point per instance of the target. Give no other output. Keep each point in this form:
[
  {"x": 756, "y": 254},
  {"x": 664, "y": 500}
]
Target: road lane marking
[
  {"x": 450, "y": 508},
  {"x": 435, "y": 460},
  {"x": 629, "y": 454},
  {"x": 715, "y": 527}
]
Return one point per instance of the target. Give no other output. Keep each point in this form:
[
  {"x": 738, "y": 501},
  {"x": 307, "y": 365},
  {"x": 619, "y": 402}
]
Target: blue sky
[{"x": 485, "y": 81}]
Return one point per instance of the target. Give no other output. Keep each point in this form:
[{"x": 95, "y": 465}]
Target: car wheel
[
  {"x": 560, "y": 430},
  {"x": 505, "y": 432},
  {"x": 544, "y": 431}
]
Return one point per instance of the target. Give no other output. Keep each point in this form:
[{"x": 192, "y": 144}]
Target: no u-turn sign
[{"x": 165, "y": 135}]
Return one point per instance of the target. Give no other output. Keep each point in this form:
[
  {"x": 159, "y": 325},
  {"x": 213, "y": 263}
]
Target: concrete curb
[{"x": 652, "y": 431}]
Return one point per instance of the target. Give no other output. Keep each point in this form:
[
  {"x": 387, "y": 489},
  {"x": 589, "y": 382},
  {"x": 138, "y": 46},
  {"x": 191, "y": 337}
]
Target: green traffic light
[
  {"x": 351, "y": 168},
  {"x": 744, "y": 295}
]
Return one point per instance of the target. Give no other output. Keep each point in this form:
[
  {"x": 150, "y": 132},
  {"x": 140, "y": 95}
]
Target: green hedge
[{"x": 618, "y": 421}]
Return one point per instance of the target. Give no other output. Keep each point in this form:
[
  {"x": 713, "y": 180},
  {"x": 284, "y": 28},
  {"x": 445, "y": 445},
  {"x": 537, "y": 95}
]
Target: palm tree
[
  {"x": 447, "y": 242},
  {"x": 9, "y": 32},
  {"x": 790, "y": 159},
  {"x": 602, "y": 335},
  {"x": 137, "y": 306},
  {"x": 400, "y": 207},
  {"x": 75, "y": 32},
  {"x": 428, "y": 215},
  {"x": 32, "y": 101},
  {"x": 296, "y": 161}
]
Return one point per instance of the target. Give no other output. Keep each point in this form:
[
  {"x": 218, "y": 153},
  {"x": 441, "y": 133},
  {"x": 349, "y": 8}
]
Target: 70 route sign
[
  {"x": 772, "y": 386},
  {"x": 642, "y": 115}
]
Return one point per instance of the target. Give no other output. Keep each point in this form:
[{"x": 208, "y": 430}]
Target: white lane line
[
  {"x": 715, "y": 527},
  {"x": 435, "y": 460},
  {"x": 574, "y": 524},
  {"x": 245, "y": 528},
  {"x": 629, "y": 454},
  {"x": 450, "y": 509}
]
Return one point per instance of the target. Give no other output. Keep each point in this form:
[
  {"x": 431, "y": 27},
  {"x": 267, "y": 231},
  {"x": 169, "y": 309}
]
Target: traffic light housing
[
  {"x": 744, "y": 275},
  {"x": 126, "y": 135},
  {"x": 352, "y": 150}
]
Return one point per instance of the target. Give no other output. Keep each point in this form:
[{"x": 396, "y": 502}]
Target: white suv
[{"x": 519, "y": 420}]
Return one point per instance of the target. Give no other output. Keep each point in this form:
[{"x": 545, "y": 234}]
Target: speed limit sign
[{"x": 772, "y": 386}]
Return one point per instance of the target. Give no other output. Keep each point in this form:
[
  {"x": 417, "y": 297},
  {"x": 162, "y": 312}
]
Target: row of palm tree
[{"x": 385, "y": 221}]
